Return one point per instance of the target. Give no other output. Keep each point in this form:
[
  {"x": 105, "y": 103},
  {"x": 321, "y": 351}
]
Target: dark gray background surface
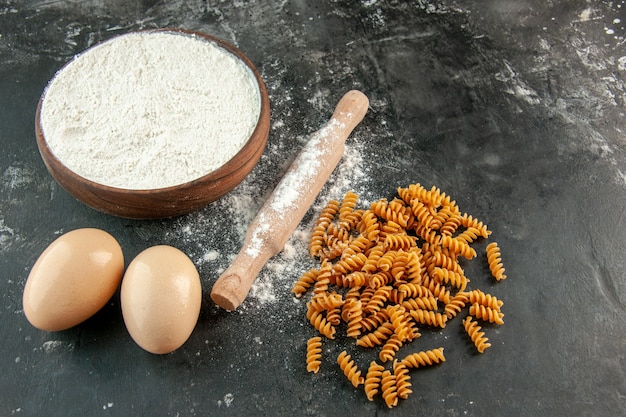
[{"x": 513, "y": 107}]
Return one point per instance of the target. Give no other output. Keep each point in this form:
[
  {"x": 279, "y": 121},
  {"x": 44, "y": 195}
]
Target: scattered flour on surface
[
  {"x": 7, "y": 235},
  {"x": 211, "y": 255},
  {"x": 227, "y": 401},
  {"x": 51, "y": 346}
]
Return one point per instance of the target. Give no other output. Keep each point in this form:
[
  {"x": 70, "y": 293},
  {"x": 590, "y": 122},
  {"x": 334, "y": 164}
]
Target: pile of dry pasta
[{"x": 388, "y": 271}]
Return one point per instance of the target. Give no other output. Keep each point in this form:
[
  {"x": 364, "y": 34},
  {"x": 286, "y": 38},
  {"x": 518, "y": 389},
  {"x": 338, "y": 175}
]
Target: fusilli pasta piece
[
  {"x": 380, "y": 279},
  {"x": 325, "y": 218},
  {"x": 438, "y": 290},
  {"x": 389, "y": 228},
  {"x": 323, "y": 279},
  {"x": 368, "y": 323},
  {"x": 399, "y": 241},
  {"x": 325, "y": 301},
  {"x": 357, "y": 279},
  {"x": 321, "y": 324},
  {"x": 414, "y": 266},
  {"x": 400, "y": 264},
  {"x": 347, "y": 209},
  {"x": 313, "y": 354},
  {"x": 388, "y": 389},
  {"x": 333, "y": 316},
  {"x": 355, "y": 315},
  {"x": 389, "y": 349},
  {"x": 468, "y": 221},
  {"x": 395, "y": 213},
  {"x": 485, "y": 313},
  {"x": 470, "y": 234},
  {"x": 385, "y": 262},
  {"x": 424, "y": 303},
  {"x": 478, "y": 338},
  {"x": 411, "y": 290},
  {"x": 495, "y": 261},
  {"x": 350, "y": 263},
  {"x": 373, "y": 258},
  {"x": 350, "y": 370},
  {"x": 399, "y": 320},
  {"x": 446, "y": 276},
  {"x": 424, "y": 358},
  {"x": 439, "y": 259},
  {"x": 428, "y": 317},
  {"x": 451, "y": 225},
  {"x": 336, "y": 234},
  {"x": 458, "y": 246},
  {"x": 456, "y": 304},
  {"x": 378, "y": 299},
  {"x": 306, "y": 281},
  {"x": 372, "y": 379},
  {"x": 370, "y": 226},
  {"x": 488, "y": 300},
  {"x": 403, "y": 384},
  {"x": 377, "y": 337}
]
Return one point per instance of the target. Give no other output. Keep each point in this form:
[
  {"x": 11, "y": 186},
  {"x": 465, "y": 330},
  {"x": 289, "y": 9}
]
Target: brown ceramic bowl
[{"x": 172, "y": 200}]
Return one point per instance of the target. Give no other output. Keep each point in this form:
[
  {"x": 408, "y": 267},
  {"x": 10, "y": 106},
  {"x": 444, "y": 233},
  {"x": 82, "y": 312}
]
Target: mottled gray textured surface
[{"x": 514, "y": 108}]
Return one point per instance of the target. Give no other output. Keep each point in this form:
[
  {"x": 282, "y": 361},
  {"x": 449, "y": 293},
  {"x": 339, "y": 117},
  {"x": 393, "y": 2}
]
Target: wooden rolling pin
[{"x": 286, "y": 206}]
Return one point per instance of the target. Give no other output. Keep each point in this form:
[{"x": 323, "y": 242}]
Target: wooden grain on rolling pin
[{"x": 290, "y": 200}]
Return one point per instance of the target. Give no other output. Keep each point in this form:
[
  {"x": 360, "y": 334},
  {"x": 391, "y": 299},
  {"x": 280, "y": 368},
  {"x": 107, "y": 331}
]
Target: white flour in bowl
[{"x": 150, "y": 110}]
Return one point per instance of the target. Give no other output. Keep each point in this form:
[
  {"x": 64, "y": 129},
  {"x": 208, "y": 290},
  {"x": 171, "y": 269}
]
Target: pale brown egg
[
  {"x": 73, "y": 278},
  {"x": 161, "y": 296}
]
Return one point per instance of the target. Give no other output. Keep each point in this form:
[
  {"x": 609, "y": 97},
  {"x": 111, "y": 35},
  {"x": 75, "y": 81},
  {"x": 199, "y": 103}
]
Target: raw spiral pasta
[
  {"x": 306, "y": 281},
  {"x": 313, "y": 354},
  {"x": 350, "y": 370},
  {"x": 317, "y": 238},
  {"x": 347, "y": 214},
  {"x": 350, "y": 264},
  {"x": 447, "y": 276},
  {"x": 322, "y": 280},
  {"x": 456, "y": 304},
  {"x": 474, "y": 331},
  {"x": 377, "y": 337},
  {"x": 372, "y": 379},
  {"x": 389, "y": 388},
  {"x": 429, "y": 318},
  {"x": 486, "y": 313},
  {"x": 495, "y": 261},
  {"x": 378, "y": 299},
  {"x": 355, "y": 313},
  {"x": 424, "y": 358},
  {"x": 325, "y": 301},
  {"x": 396, "y": 213},
  {"x": 388, "y": 272},
  {"x": 488, "y": 300},
  {"x": 333, "y": 316},
  {"x": 424, "y": 303},
  {"x": 403, "y": 384},
  {"x": 370, "y": 322},
  {"x": 389, "y": 349},
  {"x": 321, "y": 324}
]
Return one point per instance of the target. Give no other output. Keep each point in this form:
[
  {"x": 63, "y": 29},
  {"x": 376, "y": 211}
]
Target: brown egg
[
  {"x": 73, "y": 278},
  {"x": 161, "y": 296}
]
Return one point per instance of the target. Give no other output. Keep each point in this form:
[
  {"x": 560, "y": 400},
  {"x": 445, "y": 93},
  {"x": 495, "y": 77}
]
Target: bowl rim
[{"x": 224, "y": 170}]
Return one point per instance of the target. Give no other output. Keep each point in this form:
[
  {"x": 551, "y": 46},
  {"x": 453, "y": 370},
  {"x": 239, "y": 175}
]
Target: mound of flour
[{"x": 150, "y": 110}]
